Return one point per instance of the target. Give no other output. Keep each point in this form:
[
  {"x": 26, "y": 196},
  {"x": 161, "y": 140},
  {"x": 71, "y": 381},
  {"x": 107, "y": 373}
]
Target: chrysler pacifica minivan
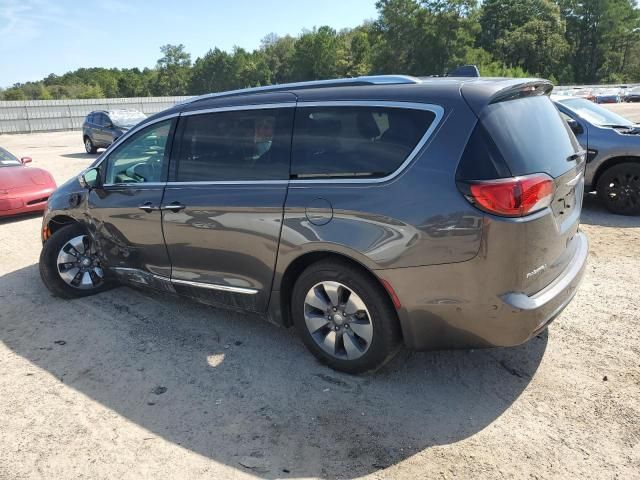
[{"x": 367, "y": 213}]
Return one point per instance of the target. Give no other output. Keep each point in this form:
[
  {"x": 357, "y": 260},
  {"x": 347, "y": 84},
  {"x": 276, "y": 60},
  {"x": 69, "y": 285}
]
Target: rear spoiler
[{"x": 480, "y": 94}]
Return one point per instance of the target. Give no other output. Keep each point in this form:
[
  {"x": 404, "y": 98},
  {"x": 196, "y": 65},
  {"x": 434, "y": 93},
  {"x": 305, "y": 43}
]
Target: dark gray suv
[
  {"x": 103, "y": 127},
  {"x": 366, "y": 212}
]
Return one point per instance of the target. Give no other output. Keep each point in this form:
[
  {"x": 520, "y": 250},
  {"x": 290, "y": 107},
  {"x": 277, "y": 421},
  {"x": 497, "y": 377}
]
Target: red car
[{"x": 22, "y": 189}]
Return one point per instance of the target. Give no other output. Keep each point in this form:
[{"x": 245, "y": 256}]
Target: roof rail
[{"x": 338, "y": 82}]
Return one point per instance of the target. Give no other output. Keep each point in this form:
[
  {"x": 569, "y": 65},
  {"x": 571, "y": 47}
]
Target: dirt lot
[{"x": 129, "y": 384}]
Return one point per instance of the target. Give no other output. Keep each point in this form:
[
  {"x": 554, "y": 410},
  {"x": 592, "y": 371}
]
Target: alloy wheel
[
  {"x": 338, "y": 320},
  {"x": 623, "y": 191},
  {"x": 78, "y": 264}
]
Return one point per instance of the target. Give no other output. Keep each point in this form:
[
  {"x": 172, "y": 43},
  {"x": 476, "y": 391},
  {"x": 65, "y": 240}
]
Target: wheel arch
[
  {"x": 282, "y": 301},
  {"x": 56, "y": 222},
  {"x": 612, "y": 162}
]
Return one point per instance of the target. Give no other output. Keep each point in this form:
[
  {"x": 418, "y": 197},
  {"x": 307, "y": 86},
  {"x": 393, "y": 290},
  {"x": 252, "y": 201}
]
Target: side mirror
[
  {"x": 25, "y": 160},
  {"x": 574, "y": 126},
  {"x": 90, "y": 179}
]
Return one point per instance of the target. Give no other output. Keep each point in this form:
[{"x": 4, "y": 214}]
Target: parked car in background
[
  {"x": 632, "y": 95},
  {"x": 22, "y": 189},
  {"x": 607, "y": 95},
  {"x": 613, "y": 153},
  {"x": 585, "y": 93},
  {"x": 440, "y": 212},
  {"x": 103, "y": 127}
]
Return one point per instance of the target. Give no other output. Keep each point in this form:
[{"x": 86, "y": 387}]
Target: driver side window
[{"x": 140, "y": 159}]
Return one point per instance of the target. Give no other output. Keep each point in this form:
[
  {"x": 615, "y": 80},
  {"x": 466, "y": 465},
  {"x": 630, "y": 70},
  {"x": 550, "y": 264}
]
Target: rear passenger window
[
  {"x": 238, "y": 145},
  {"x": 343, "y": 142}
]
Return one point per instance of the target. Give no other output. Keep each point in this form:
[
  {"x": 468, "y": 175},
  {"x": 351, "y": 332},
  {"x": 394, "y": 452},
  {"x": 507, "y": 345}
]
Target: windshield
[
  {"x": 594, "y": 113},
  {"x": 126, "y": 118},
  {"x": 8, "y": 160}
]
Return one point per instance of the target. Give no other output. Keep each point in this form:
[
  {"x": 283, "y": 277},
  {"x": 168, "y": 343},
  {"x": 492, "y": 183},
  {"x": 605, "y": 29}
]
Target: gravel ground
[{"x": 130, "y": 384}]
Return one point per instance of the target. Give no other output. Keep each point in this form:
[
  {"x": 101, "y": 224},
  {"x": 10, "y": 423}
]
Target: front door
[
  {"x": 223, "y": 209},
  {"x": 124, "y": 214}
]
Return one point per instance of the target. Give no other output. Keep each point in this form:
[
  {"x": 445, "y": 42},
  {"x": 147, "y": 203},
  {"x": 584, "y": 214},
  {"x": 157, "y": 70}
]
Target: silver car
[{"x": 613, "y": 153}]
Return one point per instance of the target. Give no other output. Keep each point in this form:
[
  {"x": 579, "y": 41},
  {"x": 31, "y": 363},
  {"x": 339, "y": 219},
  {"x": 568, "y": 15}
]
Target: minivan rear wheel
[
  {"x": 344, "y": 317},
  {"x": 619, "y": 189}
]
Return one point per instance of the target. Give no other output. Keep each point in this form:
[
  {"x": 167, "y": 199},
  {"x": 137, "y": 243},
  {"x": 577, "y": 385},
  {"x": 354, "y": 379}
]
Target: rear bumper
[{"x": 469, "y": 315}]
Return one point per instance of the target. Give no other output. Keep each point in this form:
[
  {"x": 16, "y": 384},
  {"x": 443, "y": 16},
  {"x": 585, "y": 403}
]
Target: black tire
[
  {"x": 49, "y": 268},
  {"x": 89, "y": 146},
  {"x": 382, "y": 315},
  {"x": 619, "y": 189}
]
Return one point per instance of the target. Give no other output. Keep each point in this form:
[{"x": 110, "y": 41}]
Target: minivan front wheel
[
  {"x": 344, "y": 317},
  {"x": 619, "y": 189},
  {"x": 69, "y": 265}
]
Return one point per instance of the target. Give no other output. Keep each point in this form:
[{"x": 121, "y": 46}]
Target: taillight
[{"x": 511, "y": 197}]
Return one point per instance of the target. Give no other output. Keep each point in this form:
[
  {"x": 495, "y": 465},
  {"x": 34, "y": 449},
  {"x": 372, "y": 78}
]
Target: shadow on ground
[
  {"x": 242, "y": 392},
  {"x": 81, "y": 155},
  {"x": 593, "y": 213},
  {"x": 19, "y": 218}
]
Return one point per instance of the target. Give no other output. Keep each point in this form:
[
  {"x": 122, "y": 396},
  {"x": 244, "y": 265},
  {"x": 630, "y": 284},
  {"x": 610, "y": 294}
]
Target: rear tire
[
  {"x": 354, "y": 328},
  {"x": 619, "y": 189},
  {"x": 59, "y": 258},
  {"x": 89, "y": 146}
]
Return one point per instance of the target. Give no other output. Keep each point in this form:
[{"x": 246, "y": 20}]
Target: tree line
[{"x": 566, "y": 41}]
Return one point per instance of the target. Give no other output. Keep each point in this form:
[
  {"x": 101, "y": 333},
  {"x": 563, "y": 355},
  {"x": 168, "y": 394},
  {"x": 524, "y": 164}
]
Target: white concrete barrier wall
[{"x": 26, "y": 116}]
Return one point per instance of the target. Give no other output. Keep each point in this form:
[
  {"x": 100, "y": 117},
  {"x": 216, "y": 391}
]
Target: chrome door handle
[
  {"x": 147, "y": 207},
  {"x": 175, "y": 207}
]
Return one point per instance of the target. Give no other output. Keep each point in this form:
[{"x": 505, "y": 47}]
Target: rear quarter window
[
  {"x": 352, "y": 142},
  {"x": 531, "y": 135}
]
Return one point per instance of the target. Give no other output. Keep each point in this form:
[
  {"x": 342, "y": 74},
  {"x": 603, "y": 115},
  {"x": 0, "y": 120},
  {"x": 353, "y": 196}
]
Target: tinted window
[
  {"x": 355, "y": 141},
  {"x": 531, "y": 135},
  {"x": 89, "y": 118},
  {"x": 140, "y": 159},
  {"x": 98, "y": 119},
  {"x": 237, "y": 145}
]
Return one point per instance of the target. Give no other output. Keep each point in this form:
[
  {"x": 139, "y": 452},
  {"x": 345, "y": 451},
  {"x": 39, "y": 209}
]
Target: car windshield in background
[
  {"x": 595, "y": 114},
  {"x": 7, "y": 159},
  {"x": 126, "y": 119}
]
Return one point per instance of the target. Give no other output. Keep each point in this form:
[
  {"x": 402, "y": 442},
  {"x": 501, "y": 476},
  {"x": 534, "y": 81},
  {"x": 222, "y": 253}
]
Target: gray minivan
[{"x": 366, "y": 212}]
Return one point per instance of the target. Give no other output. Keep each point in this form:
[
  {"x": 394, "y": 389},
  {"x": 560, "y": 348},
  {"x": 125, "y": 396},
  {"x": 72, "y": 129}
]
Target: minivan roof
[{"x": 476, "y": 91}]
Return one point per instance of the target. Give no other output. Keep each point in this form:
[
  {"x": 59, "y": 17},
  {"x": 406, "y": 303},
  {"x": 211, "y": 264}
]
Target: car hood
[{"x": 21, "y": 177}]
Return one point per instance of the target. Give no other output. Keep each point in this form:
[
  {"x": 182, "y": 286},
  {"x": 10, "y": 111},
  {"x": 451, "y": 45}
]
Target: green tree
[
  {"x": 529, "y": 34},
  {"x": 173, "y": 71},
  {"x": 315, "y": 55}
]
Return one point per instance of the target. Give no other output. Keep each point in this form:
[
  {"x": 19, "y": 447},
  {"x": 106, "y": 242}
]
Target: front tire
[
  {"x": 89, "y": 146},
  {"x": 69, "y": 266},
  {"x": 619, "y": 189},
  {"x": 344, "y": 317}
]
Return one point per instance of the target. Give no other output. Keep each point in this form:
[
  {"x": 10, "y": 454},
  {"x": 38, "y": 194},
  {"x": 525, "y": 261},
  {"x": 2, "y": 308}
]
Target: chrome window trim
[
  {"x": 229, "y": 182},
  {"x": 215, "y": 286},
  {"x": 436, "y": 109},
  {"x": 133, "y": 184}
]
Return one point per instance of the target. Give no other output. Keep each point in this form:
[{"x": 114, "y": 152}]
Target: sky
[{"x": 39, "y": 37}]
